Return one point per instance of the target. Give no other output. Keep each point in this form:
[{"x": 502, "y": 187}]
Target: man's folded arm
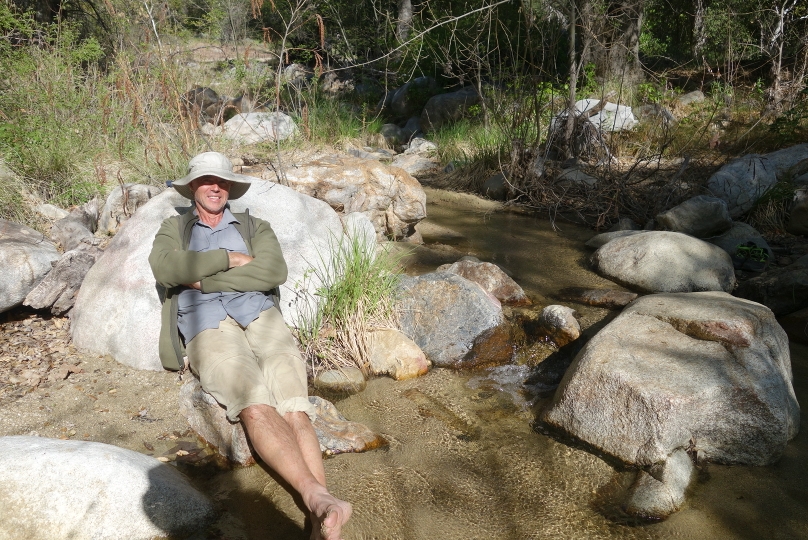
[
  {"x": 173, "y": 266},
  {"x": 266, "y": 271}
]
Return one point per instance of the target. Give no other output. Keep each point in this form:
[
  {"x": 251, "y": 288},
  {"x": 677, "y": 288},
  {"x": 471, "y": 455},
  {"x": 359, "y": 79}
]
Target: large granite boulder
[
  {"x": 393, "y": 200},
  {"x": 700, "y": 216},
  {"x": 703, "y": 373},
  {"x": 446, "y": 108},
  {"x": 661, "y": 261},
  {"x": 26, "y": 256},
  {"x": 254, "y": 127},
  {"x": 117, "y": 311},
  {"x": 208, "y": 419},
  {"x": 706, "y": 372},
  {"x": 448, "y": 316},
  {"x": 88, "y": 490},
  {"x": 741, "y": 182},
  {"x": 491, "y": 278}
]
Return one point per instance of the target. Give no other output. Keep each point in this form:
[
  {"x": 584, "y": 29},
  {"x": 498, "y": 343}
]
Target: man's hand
[
  {"x": 238, "y": 259},
  {"x": 197, "y": 285}
]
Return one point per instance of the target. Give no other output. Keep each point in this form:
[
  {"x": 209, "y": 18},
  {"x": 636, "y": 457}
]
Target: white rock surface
[
  {"x": 660, "y": 261},
  {"x": 706, "y": 372},
  {"x": 741, "y": 182},
  {"x": 87, "y": 490},
  {"x": 657, "y": 495},
  {"x": 117, "y": 311},
  {"x": 393, "y": 200},
  {"x": 250, "y": 128},
  {"x": 26, "y": 256},
  {"x": 116, "y": 212}
]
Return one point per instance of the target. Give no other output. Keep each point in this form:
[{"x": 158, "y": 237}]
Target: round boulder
[
  {"x": 88, "y": 490},
  {"x": 700, "y": 216},
  {"x": 660, "y": 261}
]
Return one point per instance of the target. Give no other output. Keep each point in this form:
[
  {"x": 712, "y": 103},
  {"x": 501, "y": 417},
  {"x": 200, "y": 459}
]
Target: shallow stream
[{"x": 464, "y": 461}]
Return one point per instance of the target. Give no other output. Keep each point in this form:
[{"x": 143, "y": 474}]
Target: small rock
[
  {"x": 51, "y": 212},
  {"x": 658, "y": 494},
  {"x": 345, "y": 379},
  {"x": 696, "y": 96},
  {"x": 560, "y": 324},
  {"x": 394, "y": 354}
]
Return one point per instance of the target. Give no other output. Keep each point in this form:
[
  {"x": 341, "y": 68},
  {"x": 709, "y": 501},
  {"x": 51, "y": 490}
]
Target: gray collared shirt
[{"x": 200, "y": 311}]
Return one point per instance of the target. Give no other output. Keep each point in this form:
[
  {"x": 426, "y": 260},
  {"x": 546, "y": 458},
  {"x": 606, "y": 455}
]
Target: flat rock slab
[
  {"x": 706, "y": 372},
  {"x": 659, "y": 261},
  {"x": 337, "y": 435},
  {"x": 26, "y": 256},
  {"x": 88, "y": 490},
  {"x": 447, "y": 316}
]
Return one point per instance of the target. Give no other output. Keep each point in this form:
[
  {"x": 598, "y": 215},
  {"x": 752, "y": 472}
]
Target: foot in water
[{"x": 328, "y": 515}]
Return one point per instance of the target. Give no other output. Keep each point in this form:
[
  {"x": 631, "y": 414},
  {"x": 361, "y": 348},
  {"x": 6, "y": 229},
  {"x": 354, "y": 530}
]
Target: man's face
[{"x": 211, "y": 193}]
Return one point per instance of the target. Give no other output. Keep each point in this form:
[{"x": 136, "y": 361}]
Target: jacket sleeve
[
  {"x": 265, "y": 271},
  {"x": 173, "y": 266}
]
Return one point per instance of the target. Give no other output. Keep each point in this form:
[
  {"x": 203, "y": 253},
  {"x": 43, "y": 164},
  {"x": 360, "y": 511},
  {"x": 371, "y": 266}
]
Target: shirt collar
[{"x": 227, "y": 219}]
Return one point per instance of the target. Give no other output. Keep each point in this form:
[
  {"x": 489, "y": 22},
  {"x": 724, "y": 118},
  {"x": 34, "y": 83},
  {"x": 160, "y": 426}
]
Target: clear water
[{"x": 464, "y": 462}]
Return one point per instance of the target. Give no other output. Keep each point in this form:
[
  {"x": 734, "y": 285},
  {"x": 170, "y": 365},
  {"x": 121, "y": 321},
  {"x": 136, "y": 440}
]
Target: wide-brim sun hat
[{"x": 212, "y": 164}]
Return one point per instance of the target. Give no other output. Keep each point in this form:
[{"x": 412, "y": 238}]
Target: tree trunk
[
  {"x": 616, "y": 47},
  {"x": 404, "y": 23},
  {"x": 699, "y": 30}
]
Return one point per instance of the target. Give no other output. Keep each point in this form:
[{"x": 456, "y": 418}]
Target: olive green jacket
[{"x": 174, "y": 266}]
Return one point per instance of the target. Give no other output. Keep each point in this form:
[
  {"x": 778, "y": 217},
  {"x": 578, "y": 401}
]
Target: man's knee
[
  {"x": 257, "y": 412},
  {"x": 297, "y": 419}
]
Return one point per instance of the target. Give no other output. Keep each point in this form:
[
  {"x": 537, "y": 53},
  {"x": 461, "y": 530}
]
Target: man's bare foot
[{"x": 328, "y": 515}]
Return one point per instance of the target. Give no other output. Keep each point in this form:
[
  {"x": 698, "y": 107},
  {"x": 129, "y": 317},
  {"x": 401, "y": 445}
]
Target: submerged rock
[
  {"x": 607, "y": 298},
  {"x": 491, "y": 278},
  {"x": 348, "y": 380},
  {"x": 660, "y": 261},
  {"x": 447, "y": 315},
  {"x": 88, "y": 490},
  {"x": 705, "y": 372}
]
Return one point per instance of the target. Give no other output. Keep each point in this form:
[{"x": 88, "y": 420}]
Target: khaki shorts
[{"x": 256, "y": 365}]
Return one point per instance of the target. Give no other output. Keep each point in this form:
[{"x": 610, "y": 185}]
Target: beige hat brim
[{"x": 240, "y": 186}]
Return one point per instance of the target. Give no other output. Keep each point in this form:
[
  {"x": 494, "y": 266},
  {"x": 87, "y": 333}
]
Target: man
[{"x": 217, "y": 269}]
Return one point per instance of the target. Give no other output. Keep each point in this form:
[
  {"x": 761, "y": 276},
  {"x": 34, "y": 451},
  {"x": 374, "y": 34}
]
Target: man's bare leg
[{"x": 276, "y": 442}]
